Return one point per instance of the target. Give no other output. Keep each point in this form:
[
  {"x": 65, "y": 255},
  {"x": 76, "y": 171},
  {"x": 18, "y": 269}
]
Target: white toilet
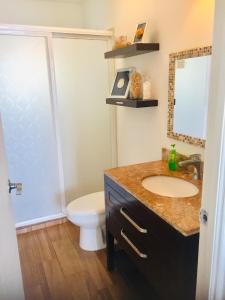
[{"x": 88, "y": 212}]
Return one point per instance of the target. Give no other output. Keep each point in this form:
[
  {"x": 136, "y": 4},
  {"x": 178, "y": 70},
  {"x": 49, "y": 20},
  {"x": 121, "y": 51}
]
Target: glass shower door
[{"x": 28, "y": 124}]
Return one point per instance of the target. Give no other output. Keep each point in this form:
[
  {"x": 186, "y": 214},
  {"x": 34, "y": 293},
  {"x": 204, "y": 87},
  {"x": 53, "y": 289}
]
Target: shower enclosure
[{"x": 59, "y": 134}]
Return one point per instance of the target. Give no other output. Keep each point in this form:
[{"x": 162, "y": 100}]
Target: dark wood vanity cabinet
[{"x": 166, "y": 257}]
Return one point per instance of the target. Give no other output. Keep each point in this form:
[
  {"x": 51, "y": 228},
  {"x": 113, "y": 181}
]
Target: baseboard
[{"x": 40, "y": 223}]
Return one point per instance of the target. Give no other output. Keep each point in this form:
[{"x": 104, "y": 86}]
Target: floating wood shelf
[
  {"x": 133, "y": 50},
  {"x": 132, "y": 103}
]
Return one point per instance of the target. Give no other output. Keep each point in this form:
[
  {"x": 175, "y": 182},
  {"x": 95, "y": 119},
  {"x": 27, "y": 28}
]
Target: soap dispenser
[{"x": 172, "y": 159}]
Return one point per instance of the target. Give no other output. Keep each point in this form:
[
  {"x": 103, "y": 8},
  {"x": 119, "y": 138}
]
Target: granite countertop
[{"x": 180, "y": 213}]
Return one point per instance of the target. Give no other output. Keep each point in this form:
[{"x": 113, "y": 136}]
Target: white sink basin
[{"x": 169, "y": 186}]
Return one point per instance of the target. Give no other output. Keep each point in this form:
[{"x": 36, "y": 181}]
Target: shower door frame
[{"x": 48, "y": 33}]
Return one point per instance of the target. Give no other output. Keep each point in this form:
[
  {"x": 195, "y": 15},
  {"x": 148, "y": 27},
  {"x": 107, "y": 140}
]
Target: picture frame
[
  {"x": 140, "y": 31},
  {"x": 121, "y": 85}
]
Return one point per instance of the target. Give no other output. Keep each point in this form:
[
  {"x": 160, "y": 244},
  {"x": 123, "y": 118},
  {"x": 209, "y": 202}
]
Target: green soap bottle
[{"x": 172, "y": 159}]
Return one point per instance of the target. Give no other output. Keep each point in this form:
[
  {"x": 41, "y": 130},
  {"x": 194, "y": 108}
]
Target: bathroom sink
[{"x": 169, "y": 186}]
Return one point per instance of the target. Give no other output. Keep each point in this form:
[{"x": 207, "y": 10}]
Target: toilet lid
[{"x": 89, "y": 204}]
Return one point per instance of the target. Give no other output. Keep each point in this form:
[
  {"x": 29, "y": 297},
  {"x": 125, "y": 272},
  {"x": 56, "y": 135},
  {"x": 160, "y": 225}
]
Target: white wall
[
  {"x": 99, "y": 14},
  {"x": 176, "y": 25},
  {"x": 41, "y": 12},
  {"x": 86, "y": 139}
]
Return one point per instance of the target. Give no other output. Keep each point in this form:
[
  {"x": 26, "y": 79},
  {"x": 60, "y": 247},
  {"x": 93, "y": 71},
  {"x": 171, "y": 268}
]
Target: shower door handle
[{"x": 15, "y": 186}]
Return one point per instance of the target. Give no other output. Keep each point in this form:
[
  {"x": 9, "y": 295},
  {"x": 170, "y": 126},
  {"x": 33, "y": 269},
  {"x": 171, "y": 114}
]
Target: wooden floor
[{"x": 54, "y": 267}]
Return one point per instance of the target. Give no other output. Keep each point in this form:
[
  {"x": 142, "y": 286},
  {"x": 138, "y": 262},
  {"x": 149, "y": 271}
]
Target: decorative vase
[{"x": 136, "y": 85}]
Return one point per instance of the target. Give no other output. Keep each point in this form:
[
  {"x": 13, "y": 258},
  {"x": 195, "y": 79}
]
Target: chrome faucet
[{"x": 194, "y": 160}]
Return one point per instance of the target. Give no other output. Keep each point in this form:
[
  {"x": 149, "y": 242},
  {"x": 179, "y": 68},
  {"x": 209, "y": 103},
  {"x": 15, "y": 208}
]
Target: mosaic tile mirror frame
[{"x": 173, "y": 61}]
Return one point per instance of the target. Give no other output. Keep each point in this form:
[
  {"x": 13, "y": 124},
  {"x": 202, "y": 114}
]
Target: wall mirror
[{"x": 189, "y": 73}]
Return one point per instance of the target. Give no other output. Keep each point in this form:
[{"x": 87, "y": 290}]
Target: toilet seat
[{"x": 91, "y": 204}]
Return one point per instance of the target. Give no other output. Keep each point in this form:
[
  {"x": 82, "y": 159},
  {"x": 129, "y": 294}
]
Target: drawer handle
[
  {"x": 142, "y": 230},
  {"x": 119, "y": 102},
  {"x": 139, "y": 253}
]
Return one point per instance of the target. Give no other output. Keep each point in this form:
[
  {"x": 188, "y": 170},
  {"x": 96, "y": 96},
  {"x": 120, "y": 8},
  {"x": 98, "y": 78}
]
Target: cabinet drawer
[
  {"x": 153, "y": 261},
  {"x": 121, "y": 213}
]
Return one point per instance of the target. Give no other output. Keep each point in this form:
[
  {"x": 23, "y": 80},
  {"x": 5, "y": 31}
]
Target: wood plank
[
  {"x": 33, "y": 274},
  {"x": 56, "y": 232},
  {"x": 67, "y": 257},
  {"x": 28, "y": 248},
  {"x": 57, "y": 283},
  {"x": 105, "y": 294},
  {"x": 78, "y": 286},
  {"x": 44, "y": 245},
  {"x": 35, "y": 293},
  {"x": 97, "y": 273}
]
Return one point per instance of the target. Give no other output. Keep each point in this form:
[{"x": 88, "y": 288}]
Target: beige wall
[
  {"x": 177, "y": 25},
  {"x": 41, "y": 12}
]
